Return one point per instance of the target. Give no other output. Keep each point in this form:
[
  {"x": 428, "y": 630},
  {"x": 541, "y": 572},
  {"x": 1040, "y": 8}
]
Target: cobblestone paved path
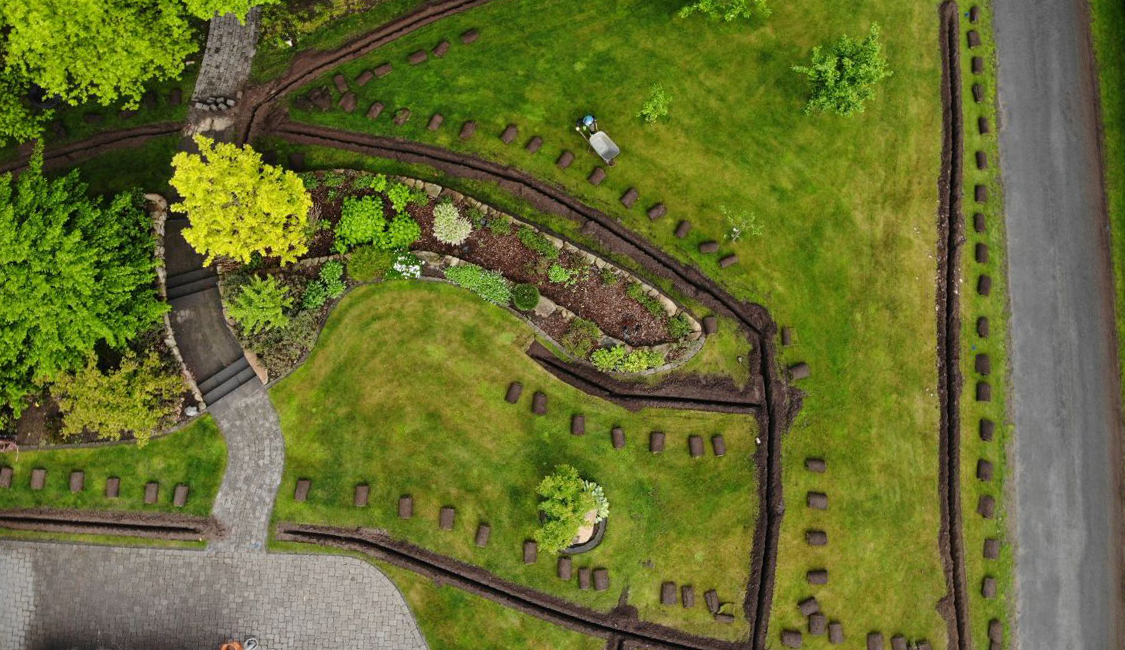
[
  {"x": 229, "y": 54},
  {"x": 88, "y": 597}
]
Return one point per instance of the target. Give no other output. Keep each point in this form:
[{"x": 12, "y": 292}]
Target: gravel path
[
  {"x": 89, "y": 597},
  {"x": 1067, "y": 446}
]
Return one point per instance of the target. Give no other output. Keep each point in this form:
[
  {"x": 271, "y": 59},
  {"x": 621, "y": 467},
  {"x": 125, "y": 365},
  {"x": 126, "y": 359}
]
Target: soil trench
[
  {"x": 117, "y": 523},
  {"x": 950, "y": 239}
]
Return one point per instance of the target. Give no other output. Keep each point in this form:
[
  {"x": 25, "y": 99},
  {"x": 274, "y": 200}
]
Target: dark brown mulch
[{"x": 609, "y": 306}]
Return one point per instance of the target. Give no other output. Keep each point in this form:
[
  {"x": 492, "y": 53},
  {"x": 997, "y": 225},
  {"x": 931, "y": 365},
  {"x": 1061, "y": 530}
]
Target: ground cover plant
[
  {"x": 848, "y": 231},
  {"x": 195, "y": 455},
  {"x": 365, "y": 408}
]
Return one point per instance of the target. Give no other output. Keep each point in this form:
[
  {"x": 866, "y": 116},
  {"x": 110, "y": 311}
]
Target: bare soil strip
[
  {"x": 620, "y": 623},
  {"x": 149, "y": 525},
  {"x": 72, "y": 153},
  {"x": 950, "y": 240},
  {"x": 780, "y": 402}
]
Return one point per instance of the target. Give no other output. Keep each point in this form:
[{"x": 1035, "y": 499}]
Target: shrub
[
  {"x": 525, "y": 297},
  {"x": 501, "y": 226},
  {"x": 310, "y": 180},
  {"x": 536, "y": 242},
  {"x": 566, "y": 500},
  {"x": 559, "y": 274},
  {"x": 637, "y": 292},
  {"x": 138, "y": 397},
  {"x": 609, "y": 276},
  {"x": 449, "y": 226},
  {"x": 332, "y": 275},
  {"x": 581, "y": 336},
  {"x": 368, "y": 263},
  {"x": 489, "y": 285},
  {"x": 656, "y": 106},
  {"x": 401, "y": 233},
  {"x": 841, "y": 80},
  {"x": 316, "y": 294},
  {"x": 401, "y": 196},
  {"x": 334, "y": 179},
  {"x": 741, "y": 223},
  {"x": 361, "y": 222},
  {"x": 407, "y": 266},
  {"x": 618, "y": 359},
  {"x": 260, "y": 305},
  {"x": 374, "y": 182},
  {"x": 679, "y": 326},
  {"x": 265, "y": 208},
  {"x": 281, "y": 348},
  {"x": 476, "y": 217},
  {"x": 725, "y": 10}
]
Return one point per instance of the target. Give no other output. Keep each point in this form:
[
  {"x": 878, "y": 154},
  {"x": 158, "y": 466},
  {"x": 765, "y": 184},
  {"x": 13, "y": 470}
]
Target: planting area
[
  {"x": 365, "y": 409},
  {"x": 845, "y": 254},
  {"x": 195, "y": 455}
]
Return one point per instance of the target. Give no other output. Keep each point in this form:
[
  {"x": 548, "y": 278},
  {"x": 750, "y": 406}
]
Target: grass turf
[
  {"x": 148, "y": 166},
  {"x": 995, "y": 306},
  {"x": 847, "y": 208},
  {"x": 405, "y": 392},
  {"x": 195, "y": 455},
  {"x": 1108, "y": 31}
]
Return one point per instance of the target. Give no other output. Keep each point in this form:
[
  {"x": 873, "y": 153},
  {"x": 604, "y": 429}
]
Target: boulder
[
  {"x": 484, "y": 532},
  {"x": 656, "y": 442},
  {"x": 597, "y": 176},
  {"x": 301, "y": 493},
  {"x": 630, "y": 197},
  {"x": 682, "y": 229},
  {"x": 565, "y": 160},
  {"x": 718, "y": 445},
  {"x": 447, "y": 517},
  {"x": 180, "y": 495}
]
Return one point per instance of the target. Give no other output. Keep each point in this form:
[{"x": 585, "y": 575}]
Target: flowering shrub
[
  {"x": 449, "y": 226},
  {"x": 581, "y": 336},
  {"x": 489, "y": 285},
  {"x": 407, "y": 266}
]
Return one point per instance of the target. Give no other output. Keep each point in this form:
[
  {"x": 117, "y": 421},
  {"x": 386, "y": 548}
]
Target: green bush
[
  {"x": 449, "y": 226},
  {"x": 375, "y": 182},
  {"x": 525, "y": 297},
  {"x": 489, "y": 285},
  {"x": 537, "y": 243},
  {"x": 139, "y": 397},
  {"x": 566, "y": 500},
  {"x": 332, "y": 275},
  {"x": 260, "y": 305},
  {"x": 500, "y": 226},
  {"x": 618, "y": 359},
  {"x": 679, "y": 326},
  {"x": 401, "y": 196},
  {"x": 581, "y": 336},
  {"x": 725, "y": 10},
  {"x": 656, "y": 106},
  {"x": 559, "y": 274},
  {"x": 637, "y": 292},
  {"x": 609, "y": 276},
  {"x": 401, "y": 233},
  {"x": 841, "y": 80},
  {"x": 316, "y": 294},
  {"x": 361, "y": 222},
  {"x": 281, "y": 348},
  {"x": 368, "y": 263},
  {"x": 476, "y": 217}
]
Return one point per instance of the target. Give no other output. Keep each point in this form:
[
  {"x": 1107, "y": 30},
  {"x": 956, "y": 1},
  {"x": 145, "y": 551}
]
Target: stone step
[
  {"x": 226, "y": 373},
  {"x": 193, "y": 287},
  {"x": 187, "y": 277},
  {"x": 229, "y": 386}
]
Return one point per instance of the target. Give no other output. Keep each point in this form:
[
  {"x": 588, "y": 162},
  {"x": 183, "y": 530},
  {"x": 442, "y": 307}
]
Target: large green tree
[
  {"x": 104, "y": 49},
  {"x": 239, "y": 205},
  {"x": 843, "y": 77},
  {"x": 75, "y": 271},
  {"x": 19, "y": 122}
]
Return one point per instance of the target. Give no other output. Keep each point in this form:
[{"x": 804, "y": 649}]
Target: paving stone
[
  {"x": 974, "y": 14},
  {"x": 341, "y": 83},
  {"x": 484, "y": 531},
  {"x": 874, "y": 641},
  {"x": 695, "y": 446},
  {"x": 77, "y": 481},
  {"x": 718, "y": 445},
  {"x": 584, "y": 581},
  {"x": 808, "y": 606},
  {"x": 578, "y": 425},
  {"x": 799, "y": 371},
  {"x": 988, "y": 587},
  {"x": 816, "y": 500},
  {"x": 816, "y": 465},
  {"x": 297, "y": 161},
  {"x": 982, "y": 327},
  {"x": 709, "y": 247},
  {"x": 533, "y": 145},
  {"x": 668, "y": 593},
  {"x": 152, "y": 492},
  {"x": 180, "y": 495},
  {"x": 818, "y": 624},
  {"x": 791, "y": 639},
  {"x": 978, "y": 65},
  {"x": 984, "y": 285},
  {"x": 362, "y": 492},
  {"x": 995, "y": 631},
  {"x": 984, "y": 391},
  {"x": 441, "y": 49},
  {"x": 38, "y": 478},
  {"x": 617, "y": 435},
  {"x": 515, "y": 389},
  {"x": 435, "y": 122},
  {"x": 656, "y": 442},
  {"x": 817, "y": 577},
  {"x": 982, "y": 125},
  {"x": 601, "y": 579},
  {"x": 565, "y": 569},
  {"x": 597, "y": 176},
  {"x": 978, "y": 93},
  {"x": 539, "y": 403},
  {"x": 991, "y": 549},
  {"x": 402, "y": 116},
  {"x": 687, "y": 596},
  {"x": 383, "y": 70},
  {"x": 816, "y": 537},
  {"x": 657, "y": 211},
  {"x": 418, "y": 57},
  {"x": 982, "y": 364},
  {"x": 986, "y": 429},
  {"x": 979, "y": 223},
  {"x": 447, "y": 517},
  {"x": 682, "y": 229},
  {"x": 986, "y": 506},
  {"x": 982, "y": 160},
  {"x": 112, "y": 487},
  {"x": 898, "y": 642},
  {"x": 468, "y": 129},
  {"x": 728, "y": 261},
  {"x": 301, "y": 493},
  {"x": 787, "y": 336},
  {"x": 348, "y": 102},
  {"x": 835, "y": 632},
  {"x": 470, "y": 36},
  {"x": 92, "y": 118},
  {"x": 710, "y": 325},
  {"x": 405, "y": 507},
  {"x": 565, "y": 160},
  {"x": 711, "y": 597},
  {"x": 175, "y": 97},
  {"x": 980, "y": 253},
  {"x": 973, "y": 39},
  {"x": 510, "y": 133},
  {"x": 984, "y": 470},
  {"x": 5, "y": 478},
  {"x": 364, "y": 77},
  {"x": 630, "y": 197}
]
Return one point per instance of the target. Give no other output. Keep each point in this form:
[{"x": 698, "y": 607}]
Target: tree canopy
[
  {"x": 104, "y": 49},
  {"x": 206, "y": 9},
  {"x": 74, "y": 271},
  {"x": 238, "y": 205},
  {"x": 566, "y": 500},
  {"x": 18, "y": 121},
  {"x": 844, "y": 77}
]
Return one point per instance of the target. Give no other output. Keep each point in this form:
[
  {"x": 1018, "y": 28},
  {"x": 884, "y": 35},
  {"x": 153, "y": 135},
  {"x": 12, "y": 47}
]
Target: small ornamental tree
[
  {"x": 842, "y": 79},
  {"x": 75, "y": 271},
  {"x": 725, "y": 10},
  {"x": 104, "y": 49},
  {"x": 449, "y": 226},
  {"x": 566, "y": 500},
  {"x": 260, "y": 305},
  {"x": 238, "y": 205},
  {"x": 138, "y": 397}
]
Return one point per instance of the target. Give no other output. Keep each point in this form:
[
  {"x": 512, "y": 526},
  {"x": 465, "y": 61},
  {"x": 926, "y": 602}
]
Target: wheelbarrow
[{"x": 598, "y": 139}]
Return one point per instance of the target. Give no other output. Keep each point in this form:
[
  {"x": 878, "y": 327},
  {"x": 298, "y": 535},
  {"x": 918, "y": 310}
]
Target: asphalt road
[{"x": 1067, "y": 449}]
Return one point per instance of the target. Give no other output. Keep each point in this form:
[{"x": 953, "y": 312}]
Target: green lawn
[
  {"x": 148, "y": 167},
  {"x": 995, "y": 307},
  {"x": 195, "y": 455},
  {"x": 405, "y": 391},
  {"x": 847, "y": 208},
  {"x": 1108, "y": 28}
]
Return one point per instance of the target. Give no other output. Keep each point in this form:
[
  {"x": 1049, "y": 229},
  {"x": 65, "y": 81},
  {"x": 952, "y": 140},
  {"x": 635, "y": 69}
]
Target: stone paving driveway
[{"x": 63, "y": 596}]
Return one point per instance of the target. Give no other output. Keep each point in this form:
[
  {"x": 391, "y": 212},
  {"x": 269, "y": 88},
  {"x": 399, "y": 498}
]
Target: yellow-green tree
[{"x": 239, "y": 205}]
